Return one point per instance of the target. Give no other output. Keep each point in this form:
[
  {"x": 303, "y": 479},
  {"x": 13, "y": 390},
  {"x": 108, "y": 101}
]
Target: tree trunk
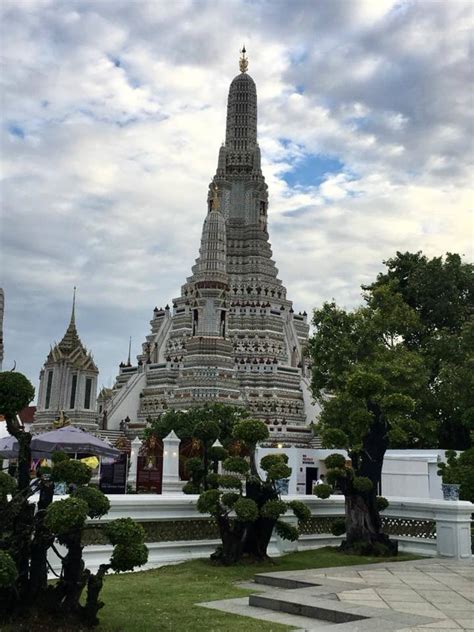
[
  {"x": 363, "y": 525},
  {"x": 41, "y": 542}
]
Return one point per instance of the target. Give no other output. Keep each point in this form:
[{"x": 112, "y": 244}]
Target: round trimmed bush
[
  {"x": 362, "y": 484},
  {"x": 236, "y": 464},
  {"x": 126, "y": 556},
  {"x": 287, "y": 531},
  {"x": 382, "y": 503},
  {"x": 279, "y": 471},
  {"x": 273, "y": 509},
  {"x": 338, "y": 527},
  {"x": 194, "y": 466},
  {"x": 208, "y": 502},
  {"x": 335, "y": 461},
  {"x": 335, "y": 475},
  {"x": 301, "y": 511},
  {"x": 217, "y": 453},
  {"x": 124, "y": 530},
  {"x": 191, "y": 488},
  {"x": 229, "y": 499},
  {"x": 70, "y": 471},
  {"x": 228, "y": 481},
  {"x": 270, "y": 460},
  {"x": 213, "y": 480},
  {"x": 97, "y": 501},
  {"x": 322, "y": 491},
  {"x": 251, "y": 431},
  {"x": 246, "y": 510},
  {"x": 65, "y": 516},
  {"x": 8, "y": 570}
]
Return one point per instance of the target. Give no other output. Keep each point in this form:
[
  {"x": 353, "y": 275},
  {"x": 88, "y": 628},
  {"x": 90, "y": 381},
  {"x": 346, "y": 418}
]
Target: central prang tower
[{"x": 232, "y": 336}]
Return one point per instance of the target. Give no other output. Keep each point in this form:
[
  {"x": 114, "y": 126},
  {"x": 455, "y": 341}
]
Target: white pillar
[
  {"x": 171, "y": 483},
  {"x": 132, "y": 470},
  {"x": 218, "y": 444},
  {"x": 453, "y": 529}
]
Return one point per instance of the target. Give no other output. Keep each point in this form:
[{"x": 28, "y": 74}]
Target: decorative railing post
[
  {"x": 453, "y": 529},
  {"x": 132, "y": 470},
  {"x": 218, "y": 444},
  {"x": 171, "y": 483}
]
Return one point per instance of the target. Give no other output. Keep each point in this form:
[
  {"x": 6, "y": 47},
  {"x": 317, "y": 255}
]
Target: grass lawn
[{"x": 165, "y": 598}]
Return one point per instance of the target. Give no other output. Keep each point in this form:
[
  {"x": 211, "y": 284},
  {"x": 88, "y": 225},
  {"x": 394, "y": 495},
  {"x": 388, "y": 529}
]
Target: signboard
[{"x": 113, "y": 475}]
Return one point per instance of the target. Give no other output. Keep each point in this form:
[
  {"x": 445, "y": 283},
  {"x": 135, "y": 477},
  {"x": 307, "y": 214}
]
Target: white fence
[{"x": 176, "y": 531}]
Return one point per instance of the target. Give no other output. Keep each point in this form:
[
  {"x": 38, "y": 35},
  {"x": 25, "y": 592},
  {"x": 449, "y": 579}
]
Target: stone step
[
  {"x": 305, "y": 605},
  {"x": 282, "y": 582}
]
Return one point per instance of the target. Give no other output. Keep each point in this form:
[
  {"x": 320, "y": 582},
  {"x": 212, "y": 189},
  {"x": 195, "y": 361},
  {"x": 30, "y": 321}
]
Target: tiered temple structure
[
  {"x": 232, "y": 336},
  {"x": 68, "y": 383}
]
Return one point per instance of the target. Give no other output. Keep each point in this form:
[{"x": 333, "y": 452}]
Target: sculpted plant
[
  {"x": 28, "y": 530},
  {"x": 248, "y": 508}
]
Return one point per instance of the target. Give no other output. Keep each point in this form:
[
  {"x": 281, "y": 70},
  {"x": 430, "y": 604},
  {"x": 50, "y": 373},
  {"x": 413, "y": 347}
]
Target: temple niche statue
[{"x": 232, "y": 335}]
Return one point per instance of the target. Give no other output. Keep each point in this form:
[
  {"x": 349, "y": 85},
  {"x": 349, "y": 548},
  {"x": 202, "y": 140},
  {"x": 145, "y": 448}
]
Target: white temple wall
[
  {"x": 126, "y": 402},
  {"x": 405, "y": 473}
]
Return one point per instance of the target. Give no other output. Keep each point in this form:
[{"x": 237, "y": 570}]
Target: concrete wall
[
  {"x": 452, "y": 526},
  {"x": 406, "y": 473}
]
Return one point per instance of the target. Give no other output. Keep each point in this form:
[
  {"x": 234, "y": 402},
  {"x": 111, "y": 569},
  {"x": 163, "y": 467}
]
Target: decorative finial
[
  {"x": 73, "y": 313},
  {"x": 215, "y": 198},
  {"x": 129, "y": 351},
  {"x": 243, "y": 62}
]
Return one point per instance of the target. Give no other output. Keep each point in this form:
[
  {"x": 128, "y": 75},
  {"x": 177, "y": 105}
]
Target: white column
[
  {"x": 171, "y": 483},
  {"x": 132, "y": 471},
  {"x": 218, "y": 444},
  {"x": 453, "y": 529}
]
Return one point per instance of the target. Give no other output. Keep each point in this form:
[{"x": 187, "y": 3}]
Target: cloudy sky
[{"x": 112, "y": 115}]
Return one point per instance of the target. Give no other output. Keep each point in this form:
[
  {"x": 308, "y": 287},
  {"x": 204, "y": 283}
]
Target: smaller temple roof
[{"x": 71, "y": 348}]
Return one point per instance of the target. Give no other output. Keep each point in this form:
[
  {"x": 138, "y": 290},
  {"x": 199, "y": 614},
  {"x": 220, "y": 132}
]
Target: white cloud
[{"x": 114, "y": 113}]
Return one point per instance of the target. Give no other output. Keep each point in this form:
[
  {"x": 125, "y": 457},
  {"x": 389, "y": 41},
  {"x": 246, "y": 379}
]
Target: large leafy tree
[
  {"x": 369, "y": 386},
  {"x": 441, "y": 292},
  {"x": 183, "y": 422},
  {"x": 397, "y": 372}
]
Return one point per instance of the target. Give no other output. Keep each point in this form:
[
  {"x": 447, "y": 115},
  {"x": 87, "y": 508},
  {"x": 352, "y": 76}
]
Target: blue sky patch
[
  {"x": 16, "y": 130},
  {"x": 311, "y": 171}
]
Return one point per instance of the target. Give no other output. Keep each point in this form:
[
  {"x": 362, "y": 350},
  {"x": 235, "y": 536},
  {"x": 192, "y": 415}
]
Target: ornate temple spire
[
  {"x": 71, "y": 338},
  {"x": 243, "y": 62},
  {"x": 211, "y": 263},
  {"x": 241, "y": 127}
]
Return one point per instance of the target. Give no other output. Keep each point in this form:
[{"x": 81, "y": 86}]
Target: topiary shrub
[
  {"x": 97, "y": 502},
  {"x": 362, "y": 484},
  {"x": 29, "y": 529},
  {"x": 248, "y": 513},
  {"x": 338, "y": 527},
  {"x": 382, "y": 503},
  {"x": 322, "y": 490},
  {"x": 64, "y": 516}
]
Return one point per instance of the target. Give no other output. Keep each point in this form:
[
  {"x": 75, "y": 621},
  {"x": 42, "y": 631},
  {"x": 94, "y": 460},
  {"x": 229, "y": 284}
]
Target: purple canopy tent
[
  {"x": 9, "y": 449},
  {"x": 72, "y": 440}
]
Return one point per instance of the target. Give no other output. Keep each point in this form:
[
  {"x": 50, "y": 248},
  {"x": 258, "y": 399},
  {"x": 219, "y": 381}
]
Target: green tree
[
  {"x": 441, "y": 293},
  {"x": 183, "y": 422},
  {"x": 28, "y": 530},
  {"x": 246, "y": 507}
]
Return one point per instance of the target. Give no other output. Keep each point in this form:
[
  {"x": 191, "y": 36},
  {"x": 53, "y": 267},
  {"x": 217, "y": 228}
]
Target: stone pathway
[{"x": 431, "y": 594}]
